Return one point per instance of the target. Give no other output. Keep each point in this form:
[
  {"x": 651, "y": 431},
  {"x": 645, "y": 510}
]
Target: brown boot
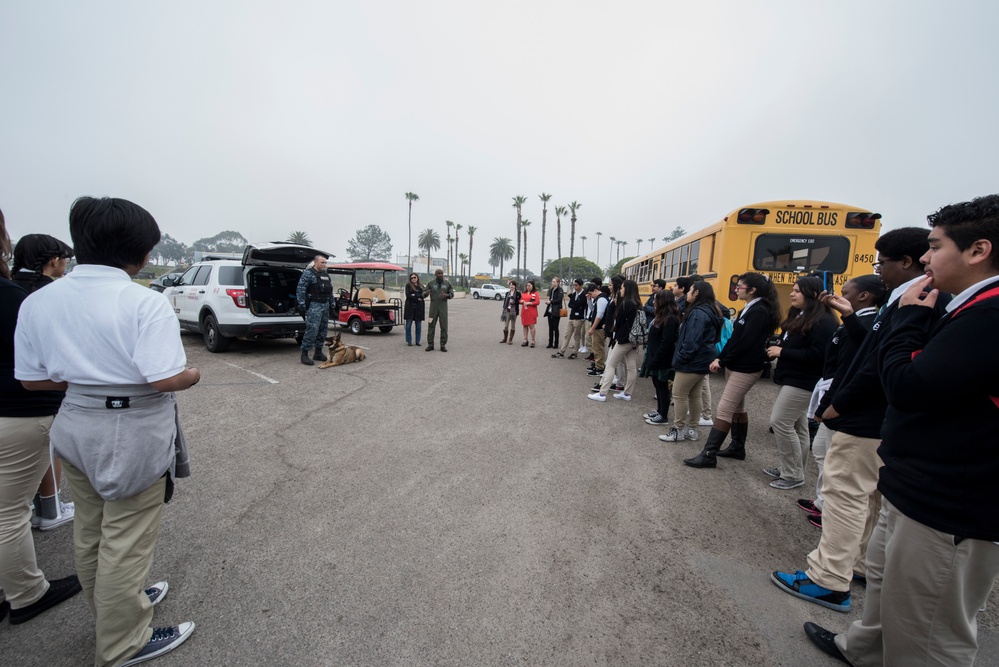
[{"x": 504, "y": 338}]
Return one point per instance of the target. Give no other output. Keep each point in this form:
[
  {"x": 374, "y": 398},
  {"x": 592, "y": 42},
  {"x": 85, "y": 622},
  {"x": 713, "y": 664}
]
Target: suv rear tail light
[
  {"x": 238, "y": 297},
  {"x": 862, "y": 220}
]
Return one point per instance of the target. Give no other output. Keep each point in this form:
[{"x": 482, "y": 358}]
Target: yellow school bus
[{"x": 782, "y": 239}]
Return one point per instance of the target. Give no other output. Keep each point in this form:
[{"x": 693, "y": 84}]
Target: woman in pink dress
[{"x": 529, "y": 300}]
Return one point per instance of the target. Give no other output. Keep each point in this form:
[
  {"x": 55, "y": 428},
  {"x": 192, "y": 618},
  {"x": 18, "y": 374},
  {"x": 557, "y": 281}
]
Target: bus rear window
[{"x": 800, "y": 253}]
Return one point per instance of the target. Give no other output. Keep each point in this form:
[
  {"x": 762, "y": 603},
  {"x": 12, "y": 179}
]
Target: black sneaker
[
  {"x": 163, "y": 641},
  {"x": 430, "y": 348},
  {"x": 594, "y": 372},
  {"x": 443, "y": 349},
  {"x": 825, "y": 640},
  {"x": 59, "y": 590},
  {"x": 596, "y": 387},
  {"x": 558, "y": 355},
  {"x": 617, "y": 387}
]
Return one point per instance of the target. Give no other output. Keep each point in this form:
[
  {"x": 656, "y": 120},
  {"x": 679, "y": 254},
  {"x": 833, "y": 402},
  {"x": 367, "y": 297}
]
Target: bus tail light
[
  {"x": 753, "y": 216},
  {"x": 862, "y": 220},
  {"x": 238, "y": 297},
  {"x": 732, "y": 284}
]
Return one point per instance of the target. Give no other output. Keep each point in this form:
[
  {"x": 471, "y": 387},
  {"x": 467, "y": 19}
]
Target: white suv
[{"x": 223, "y": 297}]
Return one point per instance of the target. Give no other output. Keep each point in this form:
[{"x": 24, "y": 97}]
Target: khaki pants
[
  {"x": 627, "y": 355},
  {"x": 820, "y": 445},
  {"x": 686, "y": 399},
  {"x": 114, "y": 543},
  {"x": 24, "y": 458},
  {"x": 791, "y": 430},
  {"x": 850, "y": 510},
  {"x": 597, "y": 348},
  {"x": 574, "y": 329},
  {"x": 733, "y": 398},
  {"x": 705, "y": 399},
  {"x": 923, "y": 596}
]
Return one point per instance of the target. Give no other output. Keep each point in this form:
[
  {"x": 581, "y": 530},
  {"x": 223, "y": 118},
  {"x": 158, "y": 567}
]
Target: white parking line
[{"x": 262, "y": 377}]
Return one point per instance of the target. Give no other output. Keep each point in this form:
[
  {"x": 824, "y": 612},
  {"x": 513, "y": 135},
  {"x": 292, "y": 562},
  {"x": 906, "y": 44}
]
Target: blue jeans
[{"x": 419, "y": 330}]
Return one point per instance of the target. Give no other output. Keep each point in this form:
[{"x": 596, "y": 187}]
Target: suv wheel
[
  {"x": 475, "y": 295},
  {"x": 214, "y": 340},
  {"x": 498, "y": 297}
]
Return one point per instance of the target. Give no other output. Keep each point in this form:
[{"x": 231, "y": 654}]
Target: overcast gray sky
[{"x": 270, "y": 117}]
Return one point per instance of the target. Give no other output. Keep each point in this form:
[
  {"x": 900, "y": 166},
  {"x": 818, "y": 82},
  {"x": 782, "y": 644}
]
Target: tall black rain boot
[
  {"x": 707, "y": 457},
  {"x": 737, "y": 448}
]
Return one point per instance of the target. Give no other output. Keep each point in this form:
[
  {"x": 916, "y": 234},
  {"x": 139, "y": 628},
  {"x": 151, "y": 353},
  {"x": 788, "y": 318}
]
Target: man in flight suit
[{"x": 439, "y": 291}]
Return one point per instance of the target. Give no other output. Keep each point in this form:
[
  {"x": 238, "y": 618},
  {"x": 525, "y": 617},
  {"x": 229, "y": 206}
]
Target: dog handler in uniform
[
  {"x": 117, "y": 432},
  {"x": 315, "y": 296}
]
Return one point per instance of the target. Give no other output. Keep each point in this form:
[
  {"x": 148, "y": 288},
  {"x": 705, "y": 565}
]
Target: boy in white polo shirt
[{"x": 115, "y": 348}]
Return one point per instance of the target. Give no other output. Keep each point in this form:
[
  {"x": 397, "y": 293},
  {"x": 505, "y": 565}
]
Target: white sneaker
[
  {"x": 705, "y": 422},
  {"x": 584, "y": 350},
  {"x": 691, "y": 433},
  {"x": 672, "y": 436},
  {"x": 597, "y": 397},
  {"x": 623, "y": 396},
  {"x": 66, "y": 513}
]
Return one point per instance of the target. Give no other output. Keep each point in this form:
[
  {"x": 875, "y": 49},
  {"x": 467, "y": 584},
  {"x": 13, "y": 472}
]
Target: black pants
[
  {"x": 662, "y": 395},
  {"x": 553, "y": 330}
]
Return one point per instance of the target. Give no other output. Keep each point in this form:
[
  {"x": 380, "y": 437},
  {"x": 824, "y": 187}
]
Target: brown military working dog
[{"x": 341, "y": 353}]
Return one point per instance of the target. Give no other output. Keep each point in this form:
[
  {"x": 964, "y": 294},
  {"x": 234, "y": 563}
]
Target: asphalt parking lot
[{"x": 460, "y": 508}]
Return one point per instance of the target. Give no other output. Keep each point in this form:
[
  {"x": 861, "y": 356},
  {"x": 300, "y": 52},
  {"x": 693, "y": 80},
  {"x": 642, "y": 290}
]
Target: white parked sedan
[{"x": 490, "y": 291}]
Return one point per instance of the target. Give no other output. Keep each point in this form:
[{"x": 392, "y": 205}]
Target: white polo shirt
[{"x": 96, "y": 327}]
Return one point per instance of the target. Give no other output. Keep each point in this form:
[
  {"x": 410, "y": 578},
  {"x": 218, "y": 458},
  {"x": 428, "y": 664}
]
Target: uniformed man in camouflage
[
  {"x": 314, "y": 295},
  {"x": 439, "y": 291}
]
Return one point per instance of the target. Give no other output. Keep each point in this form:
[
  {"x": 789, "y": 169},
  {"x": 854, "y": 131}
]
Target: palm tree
[
  {"x": 619, "y": 244},
  {"x": 639, "y": 242},
  {"x": 411, "y": 196},
  {"x": 299, "y": 238},
  {"x": 464, "y": 260},
  {"x": 582, "y": 246},
  {"x": 544, "y": 224},
  {"x": 518, "y": 201},
  {"x": 559, "y": 212},
  {"x": 599, "y": 234},
  {"x": 524, "y": 224},
  {"x": 450, "y": 268},
  {"x": 429, "y": 240},
  {"x": 448, "y": 253},
  {"x": 501, "y": 249},
  {"x": 651, "y": 241},
  {"x": 471, "y": 233},
  {"x": 613, "y": 243},
  {"x": 573, "y": 207},
  {"x": 457, "y": 228}
]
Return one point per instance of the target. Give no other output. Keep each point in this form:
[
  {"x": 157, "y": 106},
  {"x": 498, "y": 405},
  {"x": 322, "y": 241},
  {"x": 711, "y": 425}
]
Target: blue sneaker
[{"x": 800, "y": 586}]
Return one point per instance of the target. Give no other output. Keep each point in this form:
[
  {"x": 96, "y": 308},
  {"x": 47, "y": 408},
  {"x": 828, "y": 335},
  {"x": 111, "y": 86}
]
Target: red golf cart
[{"x": 362, "y": 302}]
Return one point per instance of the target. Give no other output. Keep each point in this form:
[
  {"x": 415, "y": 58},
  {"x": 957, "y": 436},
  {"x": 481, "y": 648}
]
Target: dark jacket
[
  {"x": 416, "y": 307},
  {"x": 842, "y": 350},
  {"x": 746, "y": 349},
  {"x": 662, "y": 345},
  {"x": 31, "y": 281},
  {"x": 624, "y": 317},
  {"x": 512, "y": 302},
  {"x": 556, "y": 296},
  {"x": 695, "y": 345},
  {"x": 608, "y": 322},
  {"x": 939, "y": 470},
  {"x": 15, "y": 400},
  {"x": 801, "y": 355},
  {"x": 860, "y": 399},
  {"x": 577, "y": 305}
]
